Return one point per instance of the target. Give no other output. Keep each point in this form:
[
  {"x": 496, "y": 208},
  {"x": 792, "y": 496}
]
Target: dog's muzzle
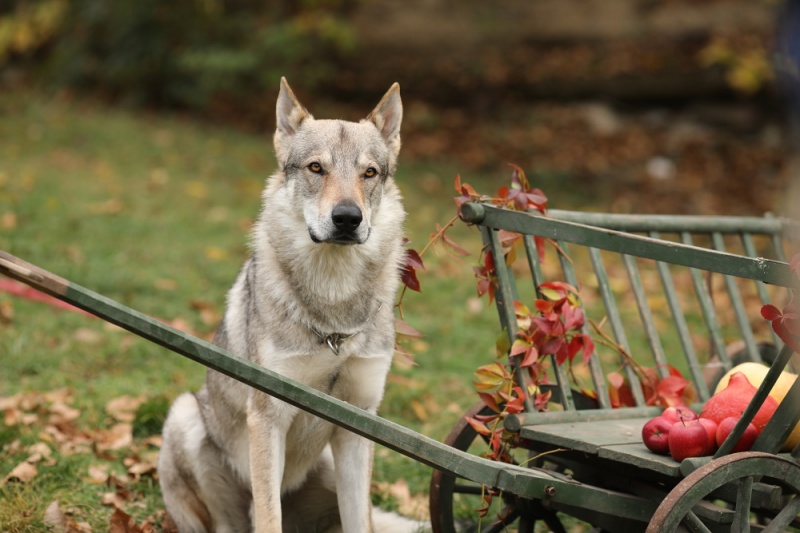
[{"x": 346, "y": 218}]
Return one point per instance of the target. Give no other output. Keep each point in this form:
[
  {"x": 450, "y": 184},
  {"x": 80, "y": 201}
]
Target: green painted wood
[
  {"x": 505, "y": 295},
  {"x": 646, "y": 315},
  {"x": 708, "y": 310},
  {"x": 741, "y": 522},
  {"x": 562, "y": 381},
  {"x": 737, "y": 303},
  {"x": 761, "y": 289},
  {"x": 767, "y": 270},
  {"x": 636, "y": 454},
  {"x": 679, "y": 319},
  {"x": 614, "y": 318},
  {"x": 675, "y": 223},
  {"x": 587, "y": 436},
  {"x": 581, "y": 415},
  {"x": 595, "y": 369},
  {"x": 718, "y": 473},
  {"x": 525, "y": 482}
]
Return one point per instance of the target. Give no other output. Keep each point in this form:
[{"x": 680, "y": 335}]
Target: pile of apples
[{"x": 681, "y": 433}]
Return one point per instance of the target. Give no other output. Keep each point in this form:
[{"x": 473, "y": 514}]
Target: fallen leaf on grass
[
  {"x": 6, "y": 313},
  {"x": 23, "y": 473},
  {"x": 61, "y": 413},
  {"x": 122, "y": 522},
  {"x": 115, "y": 438},
  {"x": 124, "y": 408},
  {"x": 16, "y": 417},
  {"x": 58, "y": 521},
  {"x": 8, "y": 220},
  {"x": 139, "y": 466},
  {"x": 40, "y": 451},
  {"x": 116, "y": 499},
  {"x": 98, "y": 474},
  {"x": 208, "y": 312}
]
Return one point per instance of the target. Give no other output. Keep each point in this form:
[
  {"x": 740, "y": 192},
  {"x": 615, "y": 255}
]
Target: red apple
[
  {"x": 678, "y": 413},
  {"x": 655, "y": 434},
  {"x": 711, "y": 429},
  {"x": 745, "y": 441},
  {"x": 687, "y": 439}
]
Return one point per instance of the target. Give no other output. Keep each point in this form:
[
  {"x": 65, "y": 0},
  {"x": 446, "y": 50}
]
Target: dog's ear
[
  {"x": 290, "y": 113},
  {"x": 387, "y": 116}
]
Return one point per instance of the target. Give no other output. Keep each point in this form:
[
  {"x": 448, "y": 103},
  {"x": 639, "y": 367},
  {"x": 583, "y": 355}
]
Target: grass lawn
[{"x": 154, "y": 211}]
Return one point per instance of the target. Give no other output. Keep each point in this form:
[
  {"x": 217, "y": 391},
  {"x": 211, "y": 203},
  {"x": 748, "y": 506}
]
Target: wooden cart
[{"x": 603, "y": 474}]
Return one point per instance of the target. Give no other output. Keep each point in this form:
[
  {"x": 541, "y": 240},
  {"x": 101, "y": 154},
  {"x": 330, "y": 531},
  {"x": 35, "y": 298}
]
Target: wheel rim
[
  {"x": 444, "y": 486},
  {"x": 742, "y": 468}
]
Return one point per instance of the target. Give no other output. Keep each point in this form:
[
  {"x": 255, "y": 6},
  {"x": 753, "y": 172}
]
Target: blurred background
[
  {"x": 671, "y": 99},
  {"x": 135, "y": 138}
]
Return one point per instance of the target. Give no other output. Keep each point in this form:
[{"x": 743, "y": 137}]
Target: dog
[{"x": 314, "y": 302}]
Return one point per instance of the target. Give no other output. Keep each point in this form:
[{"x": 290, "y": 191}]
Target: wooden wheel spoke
[
  {"x": 693, "y": 497},
  {"x": 695, "y": 524},
  {"x": 744, "y": 492},
  {"x": 461, "y": 488},
  {"x": 509, "y": 515},
  {"x": 452, "y": 496},
  {"x": 782, "y": 520}
]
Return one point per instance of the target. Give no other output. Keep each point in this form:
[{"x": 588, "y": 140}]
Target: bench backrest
[{"x": 646, "y": 276}]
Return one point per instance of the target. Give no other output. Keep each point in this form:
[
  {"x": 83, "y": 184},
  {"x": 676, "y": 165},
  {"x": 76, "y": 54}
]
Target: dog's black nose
[{"x": 346, "y": 217}]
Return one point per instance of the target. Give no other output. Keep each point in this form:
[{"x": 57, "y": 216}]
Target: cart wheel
[
  {"x": 449, "y": 492},
  {"x": 739, "y": 471}
]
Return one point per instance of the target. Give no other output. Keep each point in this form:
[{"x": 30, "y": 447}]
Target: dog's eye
[
  {"x": 315, "y": 167},
  {"x": 370, "y": 172}
]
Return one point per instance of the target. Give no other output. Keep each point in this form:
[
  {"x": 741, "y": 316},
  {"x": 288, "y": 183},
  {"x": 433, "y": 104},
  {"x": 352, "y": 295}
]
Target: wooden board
[{"x": 615, "y": 440}]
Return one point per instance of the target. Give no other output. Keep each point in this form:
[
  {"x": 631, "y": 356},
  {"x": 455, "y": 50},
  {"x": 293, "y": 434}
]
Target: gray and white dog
[{"x": 314, "y": 303}]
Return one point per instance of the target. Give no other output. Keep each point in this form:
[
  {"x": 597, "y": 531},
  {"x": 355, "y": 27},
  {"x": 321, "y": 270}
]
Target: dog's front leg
[
  {"x": 363, "y": 380},
  {"x": 267, "y": 424}
]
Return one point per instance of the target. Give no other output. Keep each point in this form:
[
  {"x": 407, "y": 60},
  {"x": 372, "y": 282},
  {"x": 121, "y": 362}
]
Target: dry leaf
[
  {"x": 154, "y": 440},
  {"x": 59, "y": 522},
  {"x": 419, "y": 410},
  {"x": 124, "y": 408},
  {"x": 23, "y": 472},
  {"x": 40, "y": 451},
  {"x": 121, "y": 522},
  {"x": 40, "y": 448},
  {"x": 168, "y": 524},
  {"x": 61, "y": 413},
  {"x": 139, "y": 467},
  {"x": 117, "y": 437},
  {"x": 6, "y": 312},
  {"x": 164, "y": 284},
  {"x": 98, "y": 474},
  {"x": 215, "y": 253},
  {"x": 113, "y": 499},
  {"x": 62, "y": 395},
  {"x": 8, "y": 220},
  {"x": 208, "y": 313},
  {"x": 10, "y": 402},
  {"x": 54, "y": 517}
]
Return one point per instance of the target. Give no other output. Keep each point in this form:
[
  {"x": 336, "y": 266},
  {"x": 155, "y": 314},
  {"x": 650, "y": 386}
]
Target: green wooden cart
[{"x": 599, "y": 472}]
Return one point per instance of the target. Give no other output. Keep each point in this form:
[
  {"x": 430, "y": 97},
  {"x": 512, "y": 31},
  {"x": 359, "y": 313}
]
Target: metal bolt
[{"x": 550, "y": 490}]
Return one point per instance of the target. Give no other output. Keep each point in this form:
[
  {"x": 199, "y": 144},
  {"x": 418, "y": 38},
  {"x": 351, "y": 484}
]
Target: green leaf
[{"x": 502, "y": 343}]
